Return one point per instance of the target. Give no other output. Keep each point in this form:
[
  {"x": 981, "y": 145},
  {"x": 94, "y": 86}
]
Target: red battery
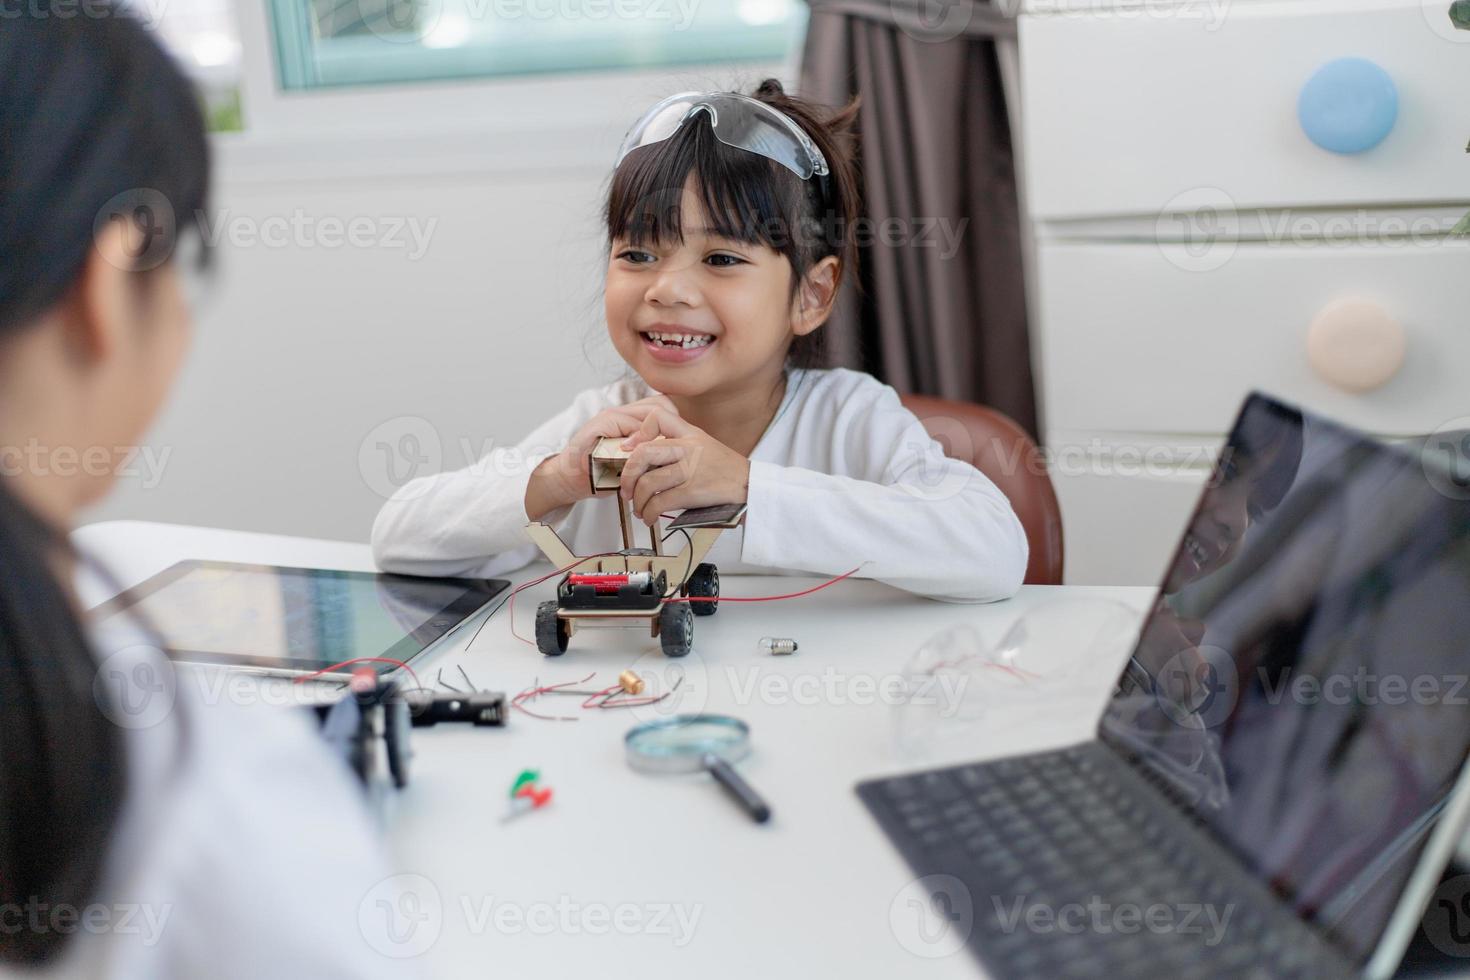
[{"x": 608, "y": 583}]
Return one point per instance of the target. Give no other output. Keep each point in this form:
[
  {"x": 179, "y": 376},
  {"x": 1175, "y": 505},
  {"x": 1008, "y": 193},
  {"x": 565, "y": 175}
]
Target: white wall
[{"x": 307, "y": 356}]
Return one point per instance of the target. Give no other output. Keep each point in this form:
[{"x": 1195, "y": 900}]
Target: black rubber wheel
[
  {"x": 676, "y": 629},
  {"x": 552, "y": 633},
  {"x": 704, "y": 583}
]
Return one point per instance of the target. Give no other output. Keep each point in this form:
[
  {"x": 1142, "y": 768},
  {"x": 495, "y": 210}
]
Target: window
[
  {"x": 202, "y": 34},
  {"x": 204, "y": 37},
  {"x": 323, "y": 43}
]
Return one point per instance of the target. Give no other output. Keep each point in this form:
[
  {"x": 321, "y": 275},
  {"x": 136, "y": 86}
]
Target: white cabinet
[
  {"x": 1131, "y": 111},
  {"x": 1194, "y": 244}
]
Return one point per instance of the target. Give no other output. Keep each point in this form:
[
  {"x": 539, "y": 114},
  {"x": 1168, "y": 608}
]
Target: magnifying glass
[{"x": 691, "y": 743}]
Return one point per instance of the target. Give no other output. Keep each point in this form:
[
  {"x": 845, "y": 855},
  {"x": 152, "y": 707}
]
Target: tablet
[{"x": 296, "y": 620}]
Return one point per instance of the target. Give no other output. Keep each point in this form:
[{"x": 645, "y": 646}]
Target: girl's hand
[
  {"x": 562, "y": 480},
  {"x": 686, "y": 468}
]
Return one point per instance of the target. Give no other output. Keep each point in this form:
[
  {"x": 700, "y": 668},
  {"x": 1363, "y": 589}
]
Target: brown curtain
[{"x": 943, "y": 307}]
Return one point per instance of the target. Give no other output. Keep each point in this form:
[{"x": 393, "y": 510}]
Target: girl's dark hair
[
  {"x": 95, "y": 117},
  {"x": 748, "y": 197}
]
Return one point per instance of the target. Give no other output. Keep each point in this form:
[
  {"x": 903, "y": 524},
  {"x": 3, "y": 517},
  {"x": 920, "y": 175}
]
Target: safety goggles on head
[{"x": 738, "y": 121}]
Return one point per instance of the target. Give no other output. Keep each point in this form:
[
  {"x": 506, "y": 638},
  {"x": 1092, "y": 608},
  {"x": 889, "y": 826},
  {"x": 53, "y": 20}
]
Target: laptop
[{"x": 1279, "y": 779}]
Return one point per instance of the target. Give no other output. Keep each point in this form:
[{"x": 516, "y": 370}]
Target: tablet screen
[{"x": 296, "y": 619}]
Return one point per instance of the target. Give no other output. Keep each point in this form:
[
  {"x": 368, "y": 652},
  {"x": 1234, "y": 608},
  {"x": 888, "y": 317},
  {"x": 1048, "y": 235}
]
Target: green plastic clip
[{"x": 526, "y": 776}]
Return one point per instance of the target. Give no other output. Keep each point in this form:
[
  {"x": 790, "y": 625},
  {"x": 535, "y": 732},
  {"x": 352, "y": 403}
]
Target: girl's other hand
[
  {"x": 620, "y": 420},
  {"x": 562, "y": 480},
  {"x": 686, "y": 468}
]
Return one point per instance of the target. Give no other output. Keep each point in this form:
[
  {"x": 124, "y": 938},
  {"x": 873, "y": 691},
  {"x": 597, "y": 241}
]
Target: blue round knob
[{"x": 1348, "y": 106}]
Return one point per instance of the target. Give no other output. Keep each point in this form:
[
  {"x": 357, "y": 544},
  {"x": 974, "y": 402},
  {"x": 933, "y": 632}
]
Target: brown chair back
[{"x": 995, "y": 445}]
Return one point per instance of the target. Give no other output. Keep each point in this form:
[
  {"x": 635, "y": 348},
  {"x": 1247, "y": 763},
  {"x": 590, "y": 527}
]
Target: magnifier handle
[{"x": 738, "y": 789}]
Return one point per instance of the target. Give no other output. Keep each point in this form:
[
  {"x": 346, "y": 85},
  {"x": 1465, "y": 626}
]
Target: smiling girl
[{"x": 728, "y": 223}]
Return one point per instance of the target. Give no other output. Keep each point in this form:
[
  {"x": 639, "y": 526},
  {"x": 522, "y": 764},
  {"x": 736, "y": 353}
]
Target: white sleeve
[
  {"x": 306, "y": 823},
  {"x": 924, "y": 523},
  {"x": 258, "y": 858},
  {"x": 473, "y": 521}
]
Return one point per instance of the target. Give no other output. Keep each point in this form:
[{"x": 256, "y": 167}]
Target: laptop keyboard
[{"x": 1076, "y": 867}]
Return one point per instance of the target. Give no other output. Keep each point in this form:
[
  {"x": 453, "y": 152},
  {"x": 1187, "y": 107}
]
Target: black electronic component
[
  {"x": 380, "y": 709},
  {"x": 480, "y": 708}
]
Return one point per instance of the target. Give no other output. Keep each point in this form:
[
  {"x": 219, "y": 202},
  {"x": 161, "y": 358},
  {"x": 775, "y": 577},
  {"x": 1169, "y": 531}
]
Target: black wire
[
  {"x": 688, "y": 550},
  {"x": 510, "y": 591},
  {"x": 440, "y": 678}
]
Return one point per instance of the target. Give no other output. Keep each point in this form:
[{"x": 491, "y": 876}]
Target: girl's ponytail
[
  {"x": 62, "y": 776},
  {"x": 834, "y": 215}
]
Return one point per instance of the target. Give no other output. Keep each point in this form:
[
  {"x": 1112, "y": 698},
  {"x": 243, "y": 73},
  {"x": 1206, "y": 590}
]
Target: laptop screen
[{"x": 1301, "y": 682}]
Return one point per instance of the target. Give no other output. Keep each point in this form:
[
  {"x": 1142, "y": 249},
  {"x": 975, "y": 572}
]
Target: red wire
[
  {"x": 361, "y": 660},
  {"x": 601, "y": 694},
  {"x": 510, "y": 611},
  {"x": 511, "y": 599},
  {"x": 766, "y": 598},
  {"x": 638, "y": 702},
  {"x": 535, "y": 691}
]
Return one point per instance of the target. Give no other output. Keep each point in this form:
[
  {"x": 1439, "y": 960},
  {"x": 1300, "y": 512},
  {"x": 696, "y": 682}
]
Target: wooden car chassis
[{"x": 605, "y": 472}]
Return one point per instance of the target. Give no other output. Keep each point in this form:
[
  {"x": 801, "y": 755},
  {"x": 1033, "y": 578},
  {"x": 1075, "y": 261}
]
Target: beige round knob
[{"x": 1355, "y": 345}]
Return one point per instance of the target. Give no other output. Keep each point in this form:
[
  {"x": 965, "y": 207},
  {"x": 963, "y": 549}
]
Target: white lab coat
[
  {"x": 243, "y": 849},
  {"x": 844, "y": 475}
]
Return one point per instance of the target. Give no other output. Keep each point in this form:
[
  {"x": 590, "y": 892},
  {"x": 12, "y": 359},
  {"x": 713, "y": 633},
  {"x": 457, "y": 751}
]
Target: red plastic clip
[{"x": 526, "y": 796}]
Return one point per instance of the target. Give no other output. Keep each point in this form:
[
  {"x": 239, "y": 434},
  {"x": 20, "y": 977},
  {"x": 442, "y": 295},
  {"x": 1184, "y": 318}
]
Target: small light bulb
[{"x": 779, "y": 646}]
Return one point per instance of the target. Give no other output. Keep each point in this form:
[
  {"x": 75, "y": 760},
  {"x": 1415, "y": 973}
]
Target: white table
[{"x": 663, "y": 876}]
